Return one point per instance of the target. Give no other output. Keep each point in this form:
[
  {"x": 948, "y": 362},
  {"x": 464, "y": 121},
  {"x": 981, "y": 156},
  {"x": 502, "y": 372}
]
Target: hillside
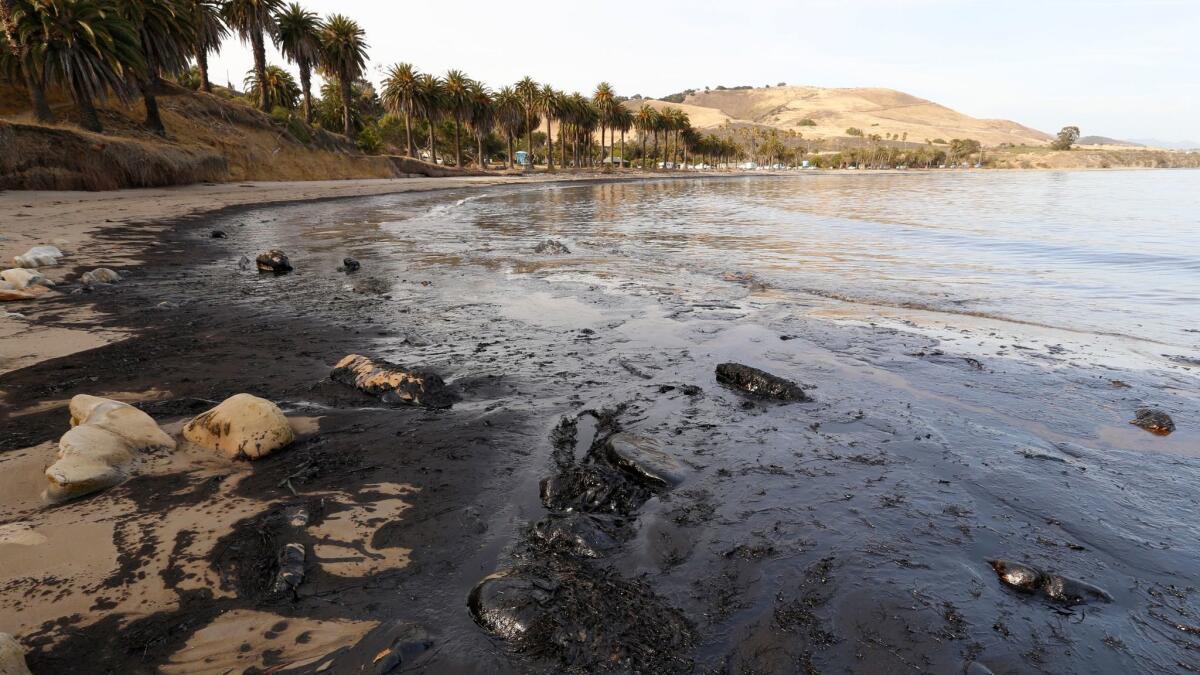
[
  {"x": 209, "y": 139},
  {"x": 874, "y": 111}
]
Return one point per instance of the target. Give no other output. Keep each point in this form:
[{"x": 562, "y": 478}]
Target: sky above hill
[{"x": 1119, "y": 68}]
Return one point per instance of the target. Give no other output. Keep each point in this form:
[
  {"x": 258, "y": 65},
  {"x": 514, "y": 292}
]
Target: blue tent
[{"x": 522, "y": 157}]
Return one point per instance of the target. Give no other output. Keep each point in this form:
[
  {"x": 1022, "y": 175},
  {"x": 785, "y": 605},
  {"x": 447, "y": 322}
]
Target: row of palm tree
[{"x": 96, "y": 48}]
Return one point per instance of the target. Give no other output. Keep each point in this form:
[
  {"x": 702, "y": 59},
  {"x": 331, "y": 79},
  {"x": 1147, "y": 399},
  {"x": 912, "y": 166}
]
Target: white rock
[
  {"x": 242, "y": 426},
  {"x": 136, "y": 427},
  {"x": 99, "y": 450},
  {"x": 12, "y": 656},
  {"x": 102, "y": 275},
  {"x": 23, "y": 278},
  {"x": 39, "y": 256}
]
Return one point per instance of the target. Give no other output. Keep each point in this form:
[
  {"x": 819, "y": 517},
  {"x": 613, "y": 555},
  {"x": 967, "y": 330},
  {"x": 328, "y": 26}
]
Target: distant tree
[
  {"x": 299, "y": 40},
  {"x": 251, "y": 20},
  {"x": 343, "y": 58},
  {"x": 807, "y": 122},
  {"x": 854, "y": 131},
  {"x": 1066, "y": 138},
  {"x": 781, "y": 84},
  {"x": 282, "y": 90}
]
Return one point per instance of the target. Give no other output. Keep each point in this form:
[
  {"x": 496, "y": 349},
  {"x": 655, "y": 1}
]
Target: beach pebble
[
  {"x": 274, "y": 261},
  {"x": 39, "y": 256},
  {"x": 350, "y": 265},
  {"x": 99, "y": 450},
  {"x": 101, "y": 275},
  {"x": 12, "y": 656},
  {"x": 393, "y": 383},
  {"x": 552, "y": 246},
  {"x": 1154, "y": 421},
  {"x": 241, "y": 427},
  {"x": 219, "y": 234},
  {"x": 244, "y": 263},
  {"x": 20, "y": 279},
  {"x": 291, "y": 568}
]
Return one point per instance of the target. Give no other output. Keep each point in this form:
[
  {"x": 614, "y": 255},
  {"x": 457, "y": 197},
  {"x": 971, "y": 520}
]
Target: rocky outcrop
[
  {"x": 393, "y": 383},
  {"x": 100, "y": 449},
  {"x": 759, "y": 383},
  {"x": 21, "y": 278},
  {"x": 39, "y": 256},
  {"x": 12, "y": 656},
  {"x": 273, "y": 261},
  {"x": 102, "y": 275},
  {"x": 241, "y": 427}
]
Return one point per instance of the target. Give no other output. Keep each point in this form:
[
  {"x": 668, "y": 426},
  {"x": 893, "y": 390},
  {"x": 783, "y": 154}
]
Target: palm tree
[
  {"x": 481, "y": 115},
  {"x": 646, "y": 120},
  {"x": 528, "y": 90},
  {"x": 87, "y": 48},
  {"x": 456, "y": 100},
  {"x": 622, "y": 120},
  {"x": 603, "y": 99},
  {"x": 343, "y": 57},
  {"x": 510, "y": 115},
  {"x": 252, "y": 19},
  {"x": 549, "y": 103},
  {"x": 167, "y": 39},
  {"x": 22, "y": 61},
  {"x": 299, "y": 40},
  {"x": 282, "y": 89},
  {"x": 400, "y": 97},
  {"x": 429, "y": 99},
  {"x": 210, "y": 30}
]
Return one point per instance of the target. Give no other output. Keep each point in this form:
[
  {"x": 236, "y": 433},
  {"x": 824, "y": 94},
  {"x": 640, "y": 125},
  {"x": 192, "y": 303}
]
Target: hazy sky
[{"x": 1122, "y": 68}]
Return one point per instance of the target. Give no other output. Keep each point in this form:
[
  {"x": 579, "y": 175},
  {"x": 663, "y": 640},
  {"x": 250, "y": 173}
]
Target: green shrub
[{"x": 807, "y": 122}]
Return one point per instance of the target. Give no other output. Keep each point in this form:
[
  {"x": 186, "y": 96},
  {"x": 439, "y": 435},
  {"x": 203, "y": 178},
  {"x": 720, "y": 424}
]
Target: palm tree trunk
[
  {"x": 479, "y": 150},
  {"x": 562, "y": 146},
  {"x": 306, "y": 85},
  {"x": 260, "y": 71},
  {"x": 549, "y": 145},
  {"x": 88, "y": 119},
  {"x": 202, "y": 66},
  {"x": 510, "y": 152},
  {"x": 153, "y": 119},
  {"x": 408, "y": 129},
  {"x": 37, "y": 96},
  {"x": 643, "y": 135},
  {"x": 622, "y": 148},
  {"x": 457, "y": 140},
  {"x": 344, "y": 85},
  {"x": 529, "y": 139},
  {"x": 432, "y": 147}
]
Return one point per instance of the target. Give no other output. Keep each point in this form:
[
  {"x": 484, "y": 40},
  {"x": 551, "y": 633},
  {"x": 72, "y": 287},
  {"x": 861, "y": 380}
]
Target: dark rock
[
  {"x": 291, "y": 568},
  {"x": 552, "y": 246},
  {"x": 644, "y": 459},
  {"x": 274, "y": 261},
  {"x": 407, "y": 644},
  {"x": 350, "y": 265},
  {"x": 1154, "y": 421},
  {"x": 393, "y": 383},
  {"x": 507, "y": 604},
  {"x": 244, "y": 263},
  {"x": 219, "y": 234},
  {"x": 759, "y": 383},
  {"x": 585, "y": 620},
  {"x": 577, "y": 534},
  {"x": 1053, "y": 586},
  {"x": 593, "y": 489}
]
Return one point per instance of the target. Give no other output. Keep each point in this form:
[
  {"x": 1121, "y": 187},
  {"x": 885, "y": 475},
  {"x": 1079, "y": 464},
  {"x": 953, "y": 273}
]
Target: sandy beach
[{"x": 596, "y": 470}]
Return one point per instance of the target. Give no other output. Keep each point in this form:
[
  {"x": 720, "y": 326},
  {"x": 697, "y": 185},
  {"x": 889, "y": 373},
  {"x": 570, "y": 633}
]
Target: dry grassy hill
[
  {"x": 874, "y": 111},
  {"x": 209, "y": 139}
]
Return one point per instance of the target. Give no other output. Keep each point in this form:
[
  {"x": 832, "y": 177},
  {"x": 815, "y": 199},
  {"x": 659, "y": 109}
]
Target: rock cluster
[
  {"x": 39, "y": 256},
  {"x": 274, "y": 261},
  {"x": 99, "y": 450},
  {"x": 1055, "y": 587}
]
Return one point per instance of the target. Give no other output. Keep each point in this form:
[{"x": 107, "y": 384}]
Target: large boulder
[
  {"x": 241, "y": 427},
  {"x": 99, "y": 450},
  {"x": 644, "y": 459},
  {"x": 39, "y": 256},
  {"x": 759, "y": 383},
  {"x": 101, "y": 275},
  {"x": 12, "y": 656},
  {"x": 394, "y": 383}
]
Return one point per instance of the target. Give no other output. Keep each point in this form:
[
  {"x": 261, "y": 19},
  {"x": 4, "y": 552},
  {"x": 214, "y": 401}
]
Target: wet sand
[{"x": 849, "y": 533}]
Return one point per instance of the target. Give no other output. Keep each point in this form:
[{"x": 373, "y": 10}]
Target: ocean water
[{"x": 1107, "y": 252}]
